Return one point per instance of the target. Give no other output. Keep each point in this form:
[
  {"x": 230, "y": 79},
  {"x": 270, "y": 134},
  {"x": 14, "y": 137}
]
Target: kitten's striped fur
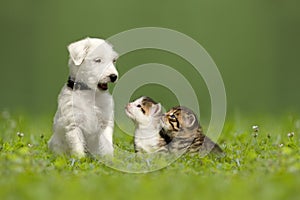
[{"x": 186, "y": 134}]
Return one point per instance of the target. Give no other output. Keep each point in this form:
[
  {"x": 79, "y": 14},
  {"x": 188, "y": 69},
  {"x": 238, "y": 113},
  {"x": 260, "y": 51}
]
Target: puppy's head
[
  {"x": 92, "y": 61},
  {"x": 143, "y": 110}
]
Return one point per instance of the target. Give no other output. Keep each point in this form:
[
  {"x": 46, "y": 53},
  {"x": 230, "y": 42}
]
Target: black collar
[{"x": 77, "y": 85}]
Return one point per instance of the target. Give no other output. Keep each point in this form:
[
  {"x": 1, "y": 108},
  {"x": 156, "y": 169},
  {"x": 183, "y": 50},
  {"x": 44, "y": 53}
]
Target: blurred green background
[{"x": 255, "y": 44}]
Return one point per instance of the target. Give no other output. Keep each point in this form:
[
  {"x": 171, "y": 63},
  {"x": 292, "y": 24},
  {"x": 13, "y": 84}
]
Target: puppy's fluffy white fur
[{"x": 84, "y": 120}]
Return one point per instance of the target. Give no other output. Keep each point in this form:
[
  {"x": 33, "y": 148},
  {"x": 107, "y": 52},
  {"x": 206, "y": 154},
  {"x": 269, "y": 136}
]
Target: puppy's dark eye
[
  {"x": 98, "y": 60},
  {"x": 139, "y": 106}
]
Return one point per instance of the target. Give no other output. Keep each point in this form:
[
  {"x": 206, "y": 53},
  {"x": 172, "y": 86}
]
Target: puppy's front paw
[{"x": 76, "y": 143}]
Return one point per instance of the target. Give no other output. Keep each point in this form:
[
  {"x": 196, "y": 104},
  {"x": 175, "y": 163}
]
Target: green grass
[{"x": 258, "y": 165}]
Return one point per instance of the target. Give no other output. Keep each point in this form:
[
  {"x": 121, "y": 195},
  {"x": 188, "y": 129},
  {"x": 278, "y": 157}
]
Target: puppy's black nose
[{"x": 113, "y": 77}]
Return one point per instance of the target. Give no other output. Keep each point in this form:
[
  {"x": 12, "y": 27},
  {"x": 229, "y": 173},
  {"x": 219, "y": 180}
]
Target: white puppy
[{"x": 84, "y": 119}]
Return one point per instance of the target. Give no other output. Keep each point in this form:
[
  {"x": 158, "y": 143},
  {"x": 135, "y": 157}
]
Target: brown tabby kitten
[{"x": 186, "y": 134}]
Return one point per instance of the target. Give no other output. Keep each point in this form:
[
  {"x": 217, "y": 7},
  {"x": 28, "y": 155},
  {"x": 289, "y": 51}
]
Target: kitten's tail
[{"x": 211, "y": 147}]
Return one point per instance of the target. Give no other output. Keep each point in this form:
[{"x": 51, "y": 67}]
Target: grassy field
[{"x": 261, "y": 163}]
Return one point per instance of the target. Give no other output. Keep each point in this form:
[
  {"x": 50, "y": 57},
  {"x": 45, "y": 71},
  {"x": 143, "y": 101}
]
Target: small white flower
[
  {"x": 281, "y": 145},
  {"x": 20, "y": 134},
  {"x": 290, "y": 135},
  {"x": 30, "y": 145},
  {"x": 255, "y": 128}
]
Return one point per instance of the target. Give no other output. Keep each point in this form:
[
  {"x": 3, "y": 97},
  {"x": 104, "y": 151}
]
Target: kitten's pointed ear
[
  {"x": 78, "y": 50},
  {"x": 155, "y": 109},
  {"x": 190, "y": 119}
]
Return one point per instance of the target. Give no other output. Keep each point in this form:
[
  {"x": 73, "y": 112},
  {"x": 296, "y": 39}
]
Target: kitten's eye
[
  {"x": 172, "y": 116},
  {"x": 98, "y": 60},
  {"x": 139, "y": 106}
]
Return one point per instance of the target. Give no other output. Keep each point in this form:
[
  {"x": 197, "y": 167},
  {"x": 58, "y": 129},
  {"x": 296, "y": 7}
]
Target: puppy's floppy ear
[
  {"x": 155, "y": 109},
  {"x": 78, "y": 50}
]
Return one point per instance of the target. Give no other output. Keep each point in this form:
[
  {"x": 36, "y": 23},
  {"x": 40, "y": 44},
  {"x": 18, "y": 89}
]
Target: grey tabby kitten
[{"x": 186, "y": 134}]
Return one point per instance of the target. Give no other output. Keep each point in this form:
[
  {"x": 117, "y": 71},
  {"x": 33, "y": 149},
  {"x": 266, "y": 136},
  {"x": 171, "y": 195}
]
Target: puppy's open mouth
[{"x": 102, "y": 86}]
